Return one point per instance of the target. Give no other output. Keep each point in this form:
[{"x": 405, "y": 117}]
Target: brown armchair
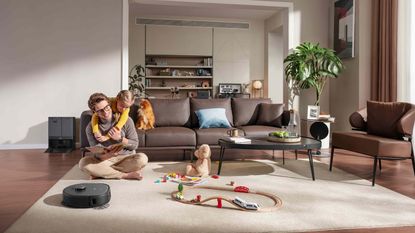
[{"x": 382, "y": 131}]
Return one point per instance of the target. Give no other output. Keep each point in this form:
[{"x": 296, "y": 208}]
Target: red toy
[
  {"x": 198, "y": 198},
  {"x": 215, "y": 177},
  {"x": 219, "y": 202},
  {"x": 241, "y": 189}
]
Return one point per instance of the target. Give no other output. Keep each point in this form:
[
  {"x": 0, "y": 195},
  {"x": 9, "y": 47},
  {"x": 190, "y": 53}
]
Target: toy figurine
[{"x": 179, "y": 195}]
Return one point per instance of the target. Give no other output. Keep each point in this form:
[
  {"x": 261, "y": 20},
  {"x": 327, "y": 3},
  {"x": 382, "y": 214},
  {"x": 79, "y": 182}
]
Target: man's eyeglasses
[{"x": 105, "y": 109}]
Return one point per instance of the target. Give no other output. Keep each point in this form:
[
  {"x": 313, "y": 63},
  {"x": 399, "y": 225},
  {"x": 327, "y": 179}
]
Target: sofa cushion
[
  {"x": 257, "y": 130},
  {"x": 212, "y": 135},
  {"x": 373, "y": 145},
  {"x": 170, "y": 136},
  {"x": 270, "y": 114},
  {"x": 197, "y": 104},
  {"x": 212, "y": 118},
  {"x": 141, "y": 137},
  {"x": 383, "y": 118},
  {"x": 171, "y": 112},
  {"x": 245, "y": 111}
]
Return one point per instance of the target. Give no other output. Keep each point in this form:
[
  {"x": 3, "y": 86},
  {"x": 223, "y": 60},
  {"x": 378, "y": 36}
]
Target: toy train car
[{"x": 246, "y": 205}]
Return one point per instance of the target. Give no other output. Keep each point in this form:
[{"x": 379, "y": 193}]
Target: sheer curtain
[{"x": 406, "y": 51}]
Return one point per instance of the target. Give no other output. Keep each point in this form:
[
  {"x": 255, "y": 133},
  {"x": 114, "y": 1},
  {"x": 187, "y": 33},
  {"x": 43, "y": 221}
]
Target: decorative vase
[{"x": 292, "y": 125}]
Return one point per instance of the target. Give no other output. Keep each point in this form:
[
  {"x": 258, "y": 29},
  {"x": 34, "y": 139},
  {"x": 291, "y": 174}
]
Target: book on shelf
[
  {"x": 207, "y": 61},
  {"x": 238, "y": 139}
]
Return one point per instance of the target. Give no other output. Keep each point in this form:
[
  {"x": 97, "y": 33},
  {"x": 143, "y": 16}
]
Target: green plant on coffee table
[{"x": 280, "y": 134}]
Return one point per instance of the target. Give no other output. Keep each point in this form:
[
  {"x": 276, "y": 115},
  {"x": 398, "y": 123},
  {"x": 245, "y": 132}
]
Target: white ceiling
[{"x": 201, "y": 10}]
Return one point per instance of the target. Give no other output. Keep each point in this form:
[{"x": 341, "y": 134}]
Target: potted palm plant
[{"x": 310, "y": 66}]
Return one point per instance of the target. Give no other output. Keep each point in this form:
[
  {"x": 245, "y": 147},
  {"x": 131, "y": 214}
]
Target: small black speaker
[
  {"x": 61, "y": 133},
  {"x": 319, "y": 130},
  {"x": 86, "y": 195}
]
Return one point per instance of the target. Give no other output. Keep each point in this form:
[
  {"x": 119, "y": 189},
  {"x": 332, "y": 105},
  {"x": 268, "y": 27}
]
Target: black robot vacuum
[{"x": 86, "y": 195}]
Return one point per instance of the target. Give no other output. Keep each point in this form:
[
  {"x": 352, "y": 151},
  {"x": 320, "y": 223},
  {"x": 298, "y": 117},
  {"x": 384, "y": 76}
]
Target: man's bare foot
[{"x": 133, "y": 176}]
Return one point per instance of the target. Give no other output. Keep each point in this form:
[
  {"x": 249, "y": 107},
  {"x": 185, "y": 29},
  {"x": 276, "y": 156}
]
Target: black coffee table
[{"x": 262, "y": 144}]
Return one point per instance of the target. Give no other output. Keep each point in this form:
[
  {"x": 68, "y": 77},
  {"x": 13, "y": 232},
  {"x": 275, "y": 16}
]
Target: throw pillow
[
  {"x": 245, "y": 111},
  {"x": 197, "y": 104},
  {"x": 212, "y": 118},
  {"x": 382, "y": 118},
  {"x": 270, "y": 114}
]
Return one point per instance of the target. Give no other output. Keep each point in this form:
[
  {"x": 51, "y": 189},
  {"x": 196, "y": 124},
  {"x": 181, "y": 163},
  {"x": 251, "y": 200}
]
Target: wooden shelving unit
[
  {"x": 179, "y": 77},
  {"x": 174, "y": 66},
  {"x": 187, "y": 74},
  {"x": 180, "y": 88}
]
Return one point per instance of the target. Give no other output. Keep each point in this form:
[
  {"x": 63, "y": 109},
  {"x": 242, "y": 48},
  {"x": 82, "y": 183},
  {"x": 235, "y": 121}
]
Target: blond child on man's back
[{"x": 120, "y": 106}]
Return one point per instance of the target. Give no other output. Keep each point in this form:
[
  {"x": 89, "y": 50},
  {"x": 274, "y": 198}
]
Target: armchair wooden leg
[
  {"x": 331, "y": 157},
  {"x": 380, "y": 165},
  {"x": 374, "y": 171},
  {"x": 296, "y": 154}
]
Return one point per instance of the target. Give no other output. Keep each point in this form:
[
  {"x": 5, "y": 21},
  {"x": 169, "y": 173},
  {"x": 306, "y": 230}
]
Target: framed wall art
[{"x": 344, "y": 21}]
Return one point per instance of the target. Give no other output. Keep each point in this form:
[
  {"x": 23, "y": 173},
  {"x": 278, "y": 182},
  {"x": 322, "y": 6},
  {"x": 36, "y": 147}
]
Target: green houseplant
[
  {"x": 310, "y": 66},
  {"x": 135, "y": 81}
]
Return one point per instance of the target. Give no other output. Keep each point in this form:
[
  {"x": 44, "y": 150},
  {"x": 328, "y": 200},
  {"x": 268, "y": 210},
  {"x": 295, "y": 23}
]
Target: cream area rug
[{"x": 336, "y": 200}]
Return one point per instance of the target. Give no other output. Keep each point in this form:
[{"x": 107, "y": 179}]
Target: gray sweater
[{"x": 128, "y": 131}]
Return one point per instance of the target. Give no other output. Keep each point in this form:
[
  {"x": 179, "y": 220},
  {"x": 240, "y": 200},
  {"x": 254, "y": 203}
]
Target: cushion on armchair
[
  {"x": 358, "y": 120},
  {"x": 383, "y": 118},
  {"x": 270, "y": 114}
]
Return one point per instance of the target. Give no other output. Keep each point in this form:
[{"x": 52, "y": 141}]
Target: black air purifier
[
  {"x": 61, "y": 133},
  {"x": 86, "y": 195}
]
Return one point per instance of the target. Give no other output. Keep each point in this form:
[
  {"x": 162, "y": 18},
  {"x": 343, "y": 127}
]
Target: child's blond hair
[{"x": 125, "y": 96}]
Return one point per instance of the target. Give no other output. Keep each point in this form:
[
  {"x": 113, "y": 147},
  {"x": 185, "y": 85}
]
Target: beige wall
[
  {"x": 352, "y": 89},
  {"x": 136, "y": 44},
  {"x": 276, "y": 49},
  {"x": 314, "y": 27},
  {"x": 54, "y": 54},
  {"x": 173, "y": 40},
  {"x": 311, "y": 23}
]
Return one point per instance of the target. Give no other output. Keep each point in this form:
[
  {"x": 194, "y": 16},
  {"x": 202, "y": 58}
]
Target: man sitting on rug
[{"x": 114, "y": 163}]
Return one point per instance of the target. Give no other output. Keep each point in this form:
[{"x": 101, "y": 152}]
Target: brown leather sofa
[
  {"x": 177, "y": 125},
  {"x": 382, "y": 131}
]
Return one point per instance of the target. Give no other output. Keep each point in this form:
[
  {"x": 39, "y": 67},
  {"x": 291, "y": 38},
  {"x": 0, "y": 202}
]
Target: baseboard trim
[{"x": 23, "y": 146}]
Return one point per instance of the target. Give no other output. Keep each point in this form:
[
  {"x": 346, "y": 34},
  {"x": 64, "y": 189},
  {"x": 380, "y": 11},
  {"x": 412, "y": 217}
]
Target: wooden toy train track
[{"x": 277, "y": 201}]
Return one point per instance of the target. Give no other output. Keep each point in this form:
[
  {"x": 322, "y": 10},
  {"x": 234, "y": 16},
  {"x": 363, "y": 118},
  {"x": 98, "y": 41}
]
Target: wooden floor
[{"x": 25, "y": 175}]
